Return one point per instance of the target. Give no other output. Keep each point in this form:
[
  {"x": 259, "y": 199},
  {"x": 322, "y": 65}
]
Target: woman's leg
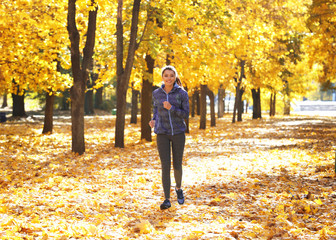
[
  {"x": 163, "y": 145},
  {"x": 178, "y": 142}
]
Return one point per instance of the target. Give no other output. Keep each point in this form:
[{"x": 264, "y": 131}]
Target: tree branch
[{"x": 143, "y": 33}]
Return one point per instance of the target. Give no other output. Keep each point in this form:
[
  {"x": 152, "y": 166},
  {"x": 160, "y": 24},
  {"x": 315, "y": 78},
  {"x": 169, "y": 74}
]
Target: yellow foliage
[{"x": 144, "y": 227}]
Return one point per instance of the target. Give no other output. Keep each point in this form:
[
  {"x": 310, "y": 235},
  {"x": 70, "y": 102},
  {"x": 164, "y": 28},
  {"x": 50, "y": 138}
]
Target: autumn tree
[
  {"x": 134, "y": 111},
  {"x": 33, "y": 41},
  {"x": 321, "y": 43},
  {"x": 207, "y": 42},
  {"x": 80, "y": 71},
  {"x": 124, "y": 73}
]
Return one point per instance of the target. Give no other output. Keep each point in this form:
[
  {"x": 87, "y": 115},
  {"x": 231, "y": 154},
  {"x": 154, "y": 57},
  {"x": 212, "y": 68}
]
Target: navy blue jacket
[{"x": 170, "y": 122}]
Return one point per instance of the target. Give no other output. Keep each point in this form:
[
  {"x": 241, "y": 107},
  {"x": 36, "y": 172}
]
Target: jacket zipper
[{"x": 171, "y": 124}]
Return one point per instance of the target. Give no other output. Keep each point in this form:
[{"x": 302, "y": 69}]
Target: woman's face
[{"x": 168, "y": 77}]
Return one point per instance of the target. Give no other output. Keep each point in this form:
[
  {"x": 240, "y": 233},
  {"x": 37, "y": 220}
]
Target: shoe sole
[{"x": 164, "y": 208}]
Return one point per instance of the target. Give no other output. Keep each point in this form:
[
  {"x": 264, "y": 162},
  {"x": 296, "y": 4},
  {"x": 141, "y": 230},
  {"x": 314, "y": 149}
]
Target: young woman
[{"x": 171, "y": 107}]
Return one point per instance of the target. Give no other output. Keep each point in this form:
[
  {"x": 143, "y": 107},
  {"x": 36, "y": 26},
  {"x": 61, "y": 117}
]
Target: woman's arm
[
  {"x": 152, "y": 121},
  {"x": 182, "y": 112},
  {"x": 155, "y": 110}
]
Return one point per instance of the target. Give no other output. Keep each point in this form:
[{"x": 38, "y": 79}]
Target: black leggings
[{"x": 164, "y": 144}]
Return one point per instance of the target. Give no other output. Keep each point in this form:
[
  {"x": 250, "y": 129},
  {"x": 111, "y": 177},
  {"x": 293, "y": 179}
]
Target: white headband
[{"x": 170, "y": 68}]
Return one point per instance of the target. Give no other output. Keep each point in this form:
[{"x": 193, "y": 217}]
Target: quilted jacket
[{"x": 170, "y": 122}]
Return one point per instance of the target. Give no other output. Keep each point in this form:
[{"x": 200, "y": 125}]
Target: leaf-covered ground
[{"x": 262, "y": 179}]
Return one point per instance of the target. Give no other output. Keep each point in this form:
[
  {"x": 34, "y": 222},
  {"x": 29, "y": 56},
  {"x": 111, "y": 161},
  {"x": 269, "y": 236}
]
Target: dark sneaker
[
  {"x": 165, "y": 205},
  {"x": 180, "y": 197}
]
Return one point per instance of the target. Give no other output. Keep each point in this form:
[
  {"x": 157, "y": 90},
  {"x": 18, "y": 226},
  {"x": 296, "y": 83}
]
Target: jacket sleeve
[
  {"x": 154, "y": 108},
  {"x": 182, "y": 112}
]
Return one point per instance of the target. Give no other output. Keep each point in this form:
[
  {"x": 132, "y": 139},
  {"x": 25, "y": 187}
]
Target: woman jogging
[{"x": 171, "y": 107}]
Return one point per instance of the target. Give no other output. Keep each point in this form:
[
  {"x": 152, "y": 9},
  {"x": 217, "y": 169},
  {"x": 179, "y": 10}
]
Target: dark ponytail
[{"x": 178, "y": 81}]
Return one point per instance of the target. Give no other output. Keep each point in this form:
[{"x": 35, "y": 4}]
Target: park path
[{"x": 258, "y": 179}]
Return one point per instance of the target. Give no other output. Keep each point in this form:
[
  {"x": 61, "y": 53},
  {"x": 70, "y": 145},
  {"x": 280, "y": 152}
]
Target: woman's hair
[
  {"x": 169, "y": 67},
  {"x": 178, "y": 81}
]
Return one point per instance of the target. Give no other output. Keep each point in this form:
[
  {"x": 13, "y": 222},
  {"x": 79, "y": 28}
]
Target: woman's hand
[
  {"x": 167, "y": 105},
  {"x": 152, "y": 123}
]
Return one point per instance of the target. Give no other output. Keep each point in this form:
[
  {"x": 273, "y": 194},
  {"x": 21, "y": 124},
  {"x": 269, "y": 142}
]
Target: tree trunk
[
  {"x": 203, "y": 106},
  {"x": 4, "y": 103},
  {"x": 48, "y": 114},
  {"x": 271, "y": 105},
  {"x": 89, "y": 109},
  {"x": 89, "y": 106},
  {"x": 123, "y": 75},
  {"x": 212, "y": 107},
  {"x": 146, "y": 99},
  {"x": 18, "y": 106},
  {"x": 224, "y": 96},
  {"x": 274, "y": 104},
  {"x": 286, "y": 98},
  {"x": 134, "y": 109},
  {"x": 146, "y": 109},
  {"x": 256, "y": 104},
  {"x": 236, "y": 103},
  {"x": 198, "y": 104},
  {"x": 79, "y": 72},
  {"x": 239, "y": 93},
  {"x": 193, "y": 103},
  {"x": 221, "y": 106},
  {"x": 99, "y": 98},
  {"x": 240, "y": 105}
]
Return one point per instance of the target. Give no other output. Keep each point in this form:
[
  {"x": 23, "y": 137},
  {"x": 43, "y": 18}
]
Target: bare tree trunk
[
  {"x": 48, "y": 114},
  {"x": 239, "y": 93},
  {"x": 18, "y": 104},
  {"x": 286, "y": 98},
  {"x": 235, "y": 107},
  {"x": 123, "y": 75},
  {"x": 88, "y": 105},
  {"x": 203, "y": 106},
  {"x": 273, "y": 103},
  {"x": 240, "y": 105},
  {"x": 134, "y": 110},
  {"x": 4, "y": 103},
  {"x": 221, "y": 106},
  {"x": 256, "y": 104},
  {"x": 212, "y": 107},
  {"x": 79, "y": 72},
  {"x": 146, "y": 100},
  {"x": 198, "y": 104},
  {"x": 195, "y": 103},
  {"x": 99, "y": 98}
]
